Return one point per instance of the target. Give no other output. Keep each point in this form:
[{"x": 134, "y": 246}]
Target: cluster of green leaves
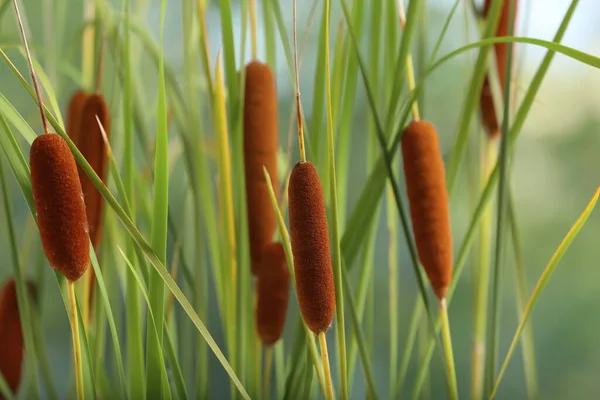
[{"x": 210, "y": 249}]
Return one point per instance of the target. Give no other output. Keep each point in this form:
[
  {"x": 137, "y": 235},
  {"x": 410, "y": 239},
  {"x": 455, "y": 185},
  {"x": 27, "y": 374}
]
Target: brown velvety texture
[
  {"x": 273, "y": 291},
  {"x": 74, "y": 115},
  {"x": 94, "y": 150},
  {"x": 260, "y": 148},
  {"x": 59, "y": 205},
  {"x": 310, "y": 247},
  {"x": 488, "y": 111},
  {"x": 11, "y": 337},
  {"x": 429, "y": 210}
]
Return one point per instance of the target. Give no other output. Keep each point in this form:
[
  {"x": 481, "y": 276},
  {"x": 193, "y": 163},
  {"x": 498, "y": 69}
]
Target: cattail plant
[
  {"x": 61, "y": 215},
  {"x": 74, "y": 110},
  {"x": 486, "y": 101},
  {"x": 260, "y": 148},
  {"x": 11, "y": 337},
  {"x": 273, "y": 287},
  {"x": 429, "y": 210}
]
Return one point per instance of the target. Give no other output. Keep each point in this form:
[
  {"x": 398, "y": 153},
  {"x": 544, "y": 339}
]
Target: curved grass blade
[{"x": 543, "y": 281}]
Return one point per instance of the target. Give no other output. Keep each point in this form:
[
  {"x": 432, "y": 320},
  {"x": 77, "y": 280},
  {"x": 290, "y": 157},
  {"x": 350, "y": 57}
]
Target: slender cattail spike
[
  {"x": 310, "y": 246},
  {"x": 92, "y": 146},
  {"x": 273, "y": 293},
  {"x": 74, "y": 115},
  {"x": 260, "y": 148},
  {"x": 11, "y": 337},
  {"x": 59, "y": 204},
  {"x": 426, "y": 187}
]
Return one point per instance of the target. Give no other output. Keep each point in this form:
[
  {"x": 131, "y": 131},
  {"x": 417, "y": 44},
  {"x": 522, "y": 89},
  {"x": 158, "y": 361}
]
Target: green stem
[{"x": 447, "y": 342}]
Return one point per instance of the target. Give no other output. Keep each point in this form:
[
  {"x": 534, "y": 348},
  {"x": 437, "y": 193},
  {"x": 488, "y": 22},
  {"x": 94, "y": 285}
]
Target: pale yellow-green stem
[
  {"x": 447, "y": 344},
  {"x": 253, "y": 28},
  {"x": 268, "y": 370},
  {"x": 410, "y": 71},
  {"x": 326, "y": 368},
  {"x": 298, "y": 103},
  {"x": 87, "y": 45},
  {"x": 76, "y": 341}
]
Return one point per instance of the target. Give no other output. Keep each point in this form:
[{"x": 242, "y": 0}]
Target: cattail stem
[
  {"x": 326, "y": 368},
  {"x": 410, "y": 71},
  {"x": 253, "y": 27},
  {"x": 31, "y": 70},
  {"x": 447, "y": 342},
  {"x": 298, "y": 103},
  {"x": 87, "y": 292},
  {"x": 76, "y": 341},
  {"x": 100, "y": 66},
  {"x": 268, "y": 371}
]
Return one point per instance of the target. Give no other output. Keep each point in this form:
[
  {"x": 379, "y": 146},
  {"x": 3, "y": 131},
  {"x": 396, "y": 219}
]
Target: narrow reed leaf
[
  {"x": 160, "y": 210},
  {"x": 543, "y": 281}
]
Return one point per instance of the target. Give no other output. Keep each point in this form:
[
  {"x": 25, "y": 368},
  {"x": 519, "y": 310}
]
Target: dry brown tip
[
  {"x": 426, "y": 187},
  {"x": 11, "y": 337},
  {"x": 260, "y": 149},
  {"x": 58, "y": 198},
  {"x": 273, "y": 292},
  {"x": 74, "y": 115},
  {"x": 310, "y": 246}
]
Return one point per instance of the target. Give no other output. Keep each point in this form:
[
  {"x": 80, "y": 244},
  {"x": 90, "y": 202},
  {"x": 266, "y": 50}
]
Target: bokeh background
[{"x": 555, "y": 172}]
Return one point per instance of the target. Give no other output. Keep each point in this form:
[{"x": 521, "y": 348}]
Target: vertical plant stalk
[
  {"x": 447, "y": 341},
  {"x": 76, "y": 341},
  {"x": 502, "y": 208},
  {"x": 488, "y": 161},
  {"x": 392, "y": 218},
  {"x": 268, "y": 372},
  {"x": 301, "y": 144},
  {"x": 410, "y": 71},
  {"x": 337, "y": 257},
  {"x": 326, "y": 369},
  {"x": 87, "y": 44},
  {"x": 253, "y": 29}
]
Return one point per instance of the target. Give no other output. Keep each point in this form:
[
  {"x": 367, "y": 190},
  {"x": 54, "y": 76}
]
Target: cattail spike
[
  {"x": 74, "y": 110},
  {"x": 310, "y": 246},
  {"x": 59, "y": 204},
  {"x": 428, "y": 198},
  {"x": 273, "y": 292},
  {"x": 261, "y": 138}
]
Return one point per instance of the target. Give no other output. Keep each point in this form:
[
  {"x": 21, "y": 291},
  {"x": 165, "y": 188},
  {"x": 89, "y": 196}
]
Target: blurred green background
[{"x": 555, "y": 172}]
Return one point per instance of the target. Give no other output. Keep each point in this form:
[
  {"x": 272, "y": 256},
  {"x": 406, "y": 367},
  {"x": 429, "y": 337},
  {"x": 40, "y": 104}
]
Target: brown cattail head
[
  {"x": 260, "y": 149},
  {"x": 74, "y": 115},
  {"x": 310, "y": 247},
  {"x": 92, "y": 147},
  {"x": 429, "y": 210},
  {"x": 273, "y": 293},
  {"x": 59, "y": 204},
  {"x": 11, "y": 337},
  {"x": 488, "y": 109}
]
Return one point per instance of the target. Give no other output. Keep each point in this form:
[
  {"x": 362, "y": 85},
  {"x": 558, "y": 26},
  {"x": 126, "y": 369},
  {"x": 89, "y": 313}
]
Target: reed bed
[{"x": 235, "y": 243}]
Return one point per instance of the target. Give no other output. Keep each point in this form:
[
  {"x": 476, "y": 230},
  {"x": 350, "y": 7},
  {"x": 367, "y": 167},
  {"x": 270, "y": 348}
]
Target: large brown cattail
[
  {"x": 92, "y": 147},
  {"x": 488, "y": 110},
  {"x": 260, "y": 149},
  {"x": 426, "y": 187},
  {"x": 310, "y": 247},
  {"x": 74, "y": 115},
  {"x": 11, "y": 337},
  {"x": 273, "y": 293},
  {"x": 59, "y": 205}
]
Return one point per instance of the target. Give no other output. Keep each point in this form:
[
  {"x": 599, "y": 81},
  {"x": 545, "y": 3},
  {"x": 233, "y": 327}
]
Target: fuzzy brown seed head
[
  {"x": 273, "y": 291},
  {"x": 429, "y": 210},
  {"x": 260, "y": 149},
  {"x": 310, "y": 247},
  {"x": 92, "y": 147},
  {"x": 59, "y": 205},
  {"x": 74, "y": 114},
  {"x": 11, "y": 337}
]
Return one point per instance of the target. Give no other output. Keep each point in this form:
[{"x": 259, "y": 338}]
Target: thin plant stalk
[
  {"x": 488, "y": 160},
  {"x": 268, "y": 371},
  {"x": 253, "y": 28},
  {"x": 326, "y": 369},
  {"x": 447, "y": 342},
  {"x": 76, "y": 341}
]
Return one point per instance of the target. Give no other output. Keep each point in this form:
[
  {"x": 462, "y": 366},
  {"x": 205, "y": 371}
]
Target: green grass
[{"x": 175, "y": 198}]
